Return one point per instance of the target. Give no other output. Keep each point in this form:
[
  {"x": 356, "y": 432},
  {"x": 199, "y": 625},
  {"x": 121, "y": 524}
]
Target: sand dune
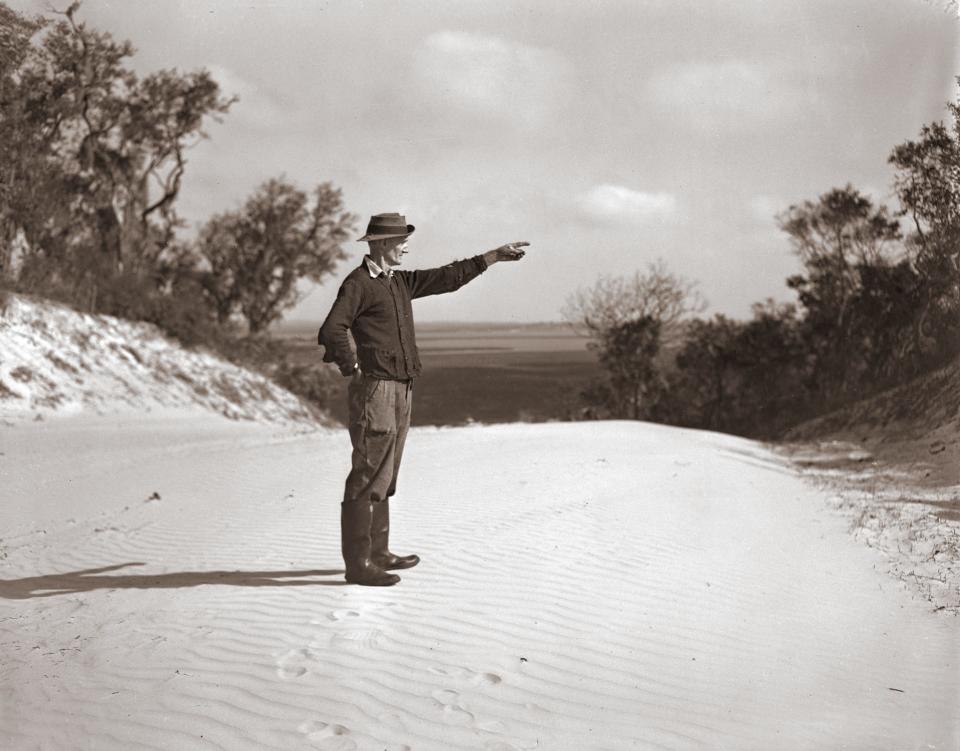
[
  {"x": 56, "y": 361},
  {"x": 178, "y": 585}
]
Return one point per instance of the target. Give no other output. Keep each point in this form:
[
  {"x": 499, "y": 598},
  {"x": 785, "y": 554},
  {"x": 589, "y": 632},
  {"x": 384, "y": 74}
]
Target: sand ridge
[
  {"x": 583, "y": 586},
  {"x": 56, "y": 361}
]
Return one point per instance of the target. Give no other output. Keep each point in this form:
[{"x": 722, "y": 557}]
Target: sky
[{"x": 607, "y": 134}]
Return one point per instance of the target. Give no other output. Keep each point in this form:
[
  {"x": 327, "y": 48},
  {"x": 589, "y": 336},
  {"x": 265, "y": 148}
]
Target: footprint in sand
[
  {"x": 327, "y": 736},
  {"x": 346, "y": 614},
  {"x": 453, "y": 708},
  {"x": 492, "y": 726},
  {"x": 357, "y": 639},
  {"x": 292, "y": 664},
  {"x": 449, "y": 701},
  {"x": 455, "y": 713},
  {"x": 466, "y": 675},
  {"x": 343, "y": 615},
  {"x": 536, "y": 709},
  {"x": 504, "y": 746}
]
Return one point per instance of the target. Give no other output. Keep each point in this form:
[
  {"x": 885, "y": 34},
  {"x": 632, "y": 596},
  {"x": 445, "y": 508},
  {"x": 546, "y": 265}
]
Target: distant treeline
[{"x": 879, "y": 303}]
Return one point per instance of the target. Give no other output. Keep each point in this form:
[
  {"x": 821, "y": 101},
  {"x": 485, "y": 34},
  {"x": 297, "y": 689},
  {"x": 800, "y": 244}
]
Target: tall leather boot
[
  {"x": 380, "y": 537},
  {"x": 355, "y": 521}
]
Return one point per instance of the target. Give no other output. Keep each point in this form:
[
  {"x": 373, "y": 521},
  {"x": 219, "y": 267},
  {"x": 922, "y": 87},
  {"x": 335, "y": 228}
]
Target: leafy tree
[
  {"x": 627, "y": 352},
  {"x": 928, "y": 176},
  {"x": 94, "y": 155},
  {"x": 928, "y": 186},
  {"x": 886, "y": 312},
  {"x": 835, "y": 237},
  {"x": 745, "y": 377},
  {"x": 771, "y": 358},
  {"x": 705, "y": 380},
  {"x": 628, "y": 319},
  {"x": 19, "y": 150},
  {"x": 251, "y": 259}
]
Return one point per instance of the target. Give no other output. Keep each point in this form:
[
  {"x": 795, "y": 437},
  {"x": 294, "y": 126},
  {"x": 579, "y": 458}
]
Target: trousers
[{"x": 379, "y": 417}]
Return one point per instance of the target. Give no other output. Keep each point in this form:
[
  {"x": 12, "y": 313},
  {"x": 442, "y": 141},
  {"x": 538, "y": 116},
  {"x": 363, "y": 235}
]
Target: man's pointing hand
[{"x": 508, "y": 252}]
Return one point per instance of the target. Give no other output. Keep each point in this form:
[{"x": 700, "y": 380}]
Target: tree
[
  {"x": 627, "y": 319},
  {"x": 94, "y": 155},
  {"x": 928, "y": 186},
  {"x": 18, "y": 154},
  {"x": 771, "y": 359},
  {"x": 835, "y": 238},
  {"x": 250, "y": 260},
  {"x": 744, "y": 377},
  {"x": 928, "y": 176},
  {"x": 612, "y": 301},
  {"x": 627, "y": 352},
  {"x": 886, "y": 312},
  {"x": 701, "y": 389}
]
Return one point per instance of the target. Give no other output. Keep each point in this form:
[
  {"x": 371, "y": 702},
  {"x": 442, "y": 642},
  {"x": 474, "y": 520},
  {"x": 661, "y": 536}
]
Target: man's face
[{"x": 393, "y": 250}]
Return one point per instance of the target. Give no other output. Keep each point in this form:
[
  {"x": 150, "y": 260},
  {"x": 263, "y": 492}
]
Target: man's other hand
[{"x": 508, "y": 252}]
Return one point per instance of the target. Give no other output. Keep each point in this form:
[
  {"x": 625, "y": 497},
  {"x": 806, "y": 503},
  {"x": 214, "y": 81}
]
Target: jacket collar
[{"x": 375, "y": 270}]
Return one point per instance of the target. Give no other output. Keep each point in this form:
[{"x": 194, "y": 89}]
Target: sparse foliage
[
  {"x": 626, "y": 319},
  {"x": 253, "y": 258},
  {"x": 657, "y": 294}
]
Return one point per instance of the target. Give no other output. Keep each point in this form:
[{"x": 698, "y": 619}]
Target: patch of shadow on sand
[
  {"x": 760, "y": 459},
  {"x": 89, "y": 580}
]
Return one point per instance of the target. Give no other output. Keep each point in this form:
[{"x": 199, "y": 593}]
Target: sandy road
[{"x": 583, "y": 586}]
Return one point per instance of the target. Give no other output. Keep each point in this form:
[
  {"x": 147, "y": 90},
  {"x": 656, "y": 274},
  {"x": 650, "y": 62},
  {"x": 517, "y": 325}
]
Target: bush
[
  {"x": 182, "y": 313},
  {"x": 315, "y": 383}
]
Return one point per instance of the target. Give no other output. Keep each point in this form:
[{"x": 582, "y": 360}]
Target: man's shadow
[{"x": 89, "y": 580}]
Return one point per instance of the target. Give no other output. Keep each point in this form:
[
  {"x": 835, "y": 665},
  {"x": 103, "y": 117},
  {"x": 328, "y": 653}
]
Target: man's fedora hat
[{"x": 384, "y": 226}]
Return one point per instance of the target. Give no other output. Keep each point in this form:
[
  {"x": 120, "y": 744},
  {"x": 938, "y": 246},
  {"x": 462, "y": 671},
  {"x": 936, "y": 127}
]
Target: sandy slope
[
  {"x": 584, "y": 586},
  {"x": 914, "y": 427},
  {"x": 56, "y": 361}
]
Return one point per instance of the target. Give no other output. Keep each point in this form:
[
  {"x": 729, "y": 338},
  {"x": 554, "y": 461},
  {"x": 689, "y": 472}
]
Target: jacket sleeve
[
  {"x": 453, "y": 276},
  {"x": 334, "y": 334}
]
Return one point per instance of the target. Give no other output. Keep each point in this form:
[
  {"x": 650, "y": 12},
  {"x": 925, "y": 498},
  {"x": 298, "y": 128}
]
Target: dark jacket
[{"x": 379, "y": 315}]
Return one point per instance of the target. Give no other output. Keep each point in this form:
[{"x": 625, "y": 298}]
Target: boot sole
[{"x": 388, "y": 582}]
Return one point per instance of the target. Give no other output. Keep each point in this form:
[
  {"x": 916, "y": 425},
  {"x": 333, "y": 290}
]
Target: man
[{"x": 373, "y": 305}]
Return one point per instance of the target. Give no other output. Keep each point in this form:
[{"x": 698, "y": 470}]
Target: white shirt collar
[{"x": 375, "y": 270}]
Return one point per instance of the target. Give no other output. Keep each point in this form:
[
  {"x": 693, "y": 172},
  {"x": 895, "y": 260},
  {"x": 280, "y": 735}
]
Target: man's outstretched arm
[{"x": 453, "y": 276}]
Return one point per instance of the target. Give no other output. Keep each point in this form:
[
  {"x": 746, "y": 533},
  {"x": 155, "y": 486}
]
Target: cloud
[
  {"x": 617, "y": 204},
  {"x": 724, "y": 96},
  {"x": 492, "y": 77}
]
